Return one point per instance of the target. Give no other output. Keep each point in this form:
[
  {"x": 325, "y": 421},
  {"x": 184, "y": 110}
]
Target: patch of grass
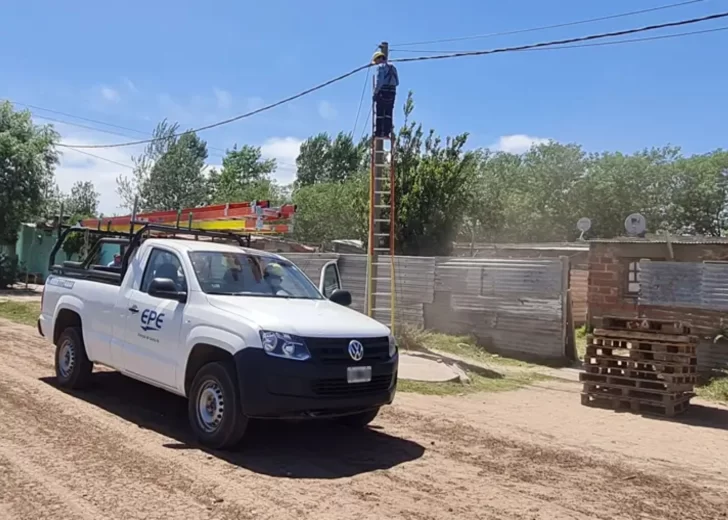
[
  {"x": 20, "y": 312},
  {"x": 477, "y": 384},
  {"x": 463, "y": 346},
  {"x": 714, "y": 387},
  {"x": 580, "y": 340}
]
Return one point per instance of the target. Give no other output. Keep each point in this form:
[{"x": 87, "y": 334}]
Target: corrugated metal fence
[
  {"x": 513, "y": 306},
  {"x": 684, "y": 284},
  {"x": 696, "y": 292}
]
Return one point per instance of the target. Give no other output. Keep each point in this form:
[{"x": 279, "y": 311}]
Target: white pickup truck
[{"x": 241, "y": 333}]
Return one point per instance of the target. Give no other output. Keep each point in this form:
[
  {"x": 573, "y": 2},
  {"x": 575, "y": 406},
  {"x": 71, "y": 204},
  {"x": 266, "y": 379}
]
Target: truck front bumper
[{"x": 280, "y": 388}]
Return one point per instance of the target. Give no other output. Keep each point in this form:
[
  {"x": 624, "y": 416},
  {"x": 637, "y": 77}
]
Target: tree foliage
[
  {"x": 245, "y": 176},
  {"x": 27, "y": 159},
  {"x": 169, "y": 173},
  {"x": 83, "y": 200},
  {"x": 432, "y": 187},
  {"x": 326, "y": 159}
]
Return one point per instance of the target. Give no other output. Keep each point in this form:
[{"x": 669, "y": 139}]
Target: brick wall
[{"x": 607, "y": 286}]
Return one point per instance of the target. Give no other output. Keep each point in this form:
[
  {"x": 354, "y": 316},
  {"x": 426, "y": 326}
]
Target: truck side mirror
[
  {"x": 167, "y": 289},
  {"x": 341, "y": 296}
]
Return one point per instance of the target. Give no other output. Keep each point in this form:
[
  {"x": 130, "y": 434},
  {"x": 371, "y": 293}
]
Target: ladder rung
[
  {"x": 382, "y": 263},
  {"x": 382, "y": 192},
  {"x": 381, "y": 220},
  {"x": 380, "y": 309},
  {"x": 381, "y": 249},
  {"x": 382, "y": 294},
  {"x": 382, "y": 206},
  {"x": 381, "y": 234},
  {"x": 381, "y": 279}
]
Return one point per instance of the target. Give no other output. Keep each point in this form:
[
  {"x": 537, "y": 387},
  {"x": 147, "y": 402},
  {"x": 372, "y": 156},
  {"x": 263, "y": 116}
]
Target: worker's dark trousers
[{"x": 384, "y": 108}]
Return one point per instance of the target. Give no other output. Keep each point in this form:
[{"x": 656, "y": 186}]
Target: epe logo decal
[{"x": 151, "y": 320}]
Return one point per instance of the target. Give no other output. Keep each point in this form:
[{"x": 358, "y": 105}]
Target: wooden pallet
[
  {"x": 664, "y": 409},
  {"x": 640, "y": 366},
  {"x": 643, "y": 336},
  {"x": 647, "y": 345},
  {"x": 640, "y": 356},
  {"x": 639, "y": 384},
  {"x": 647, "y": 324},
  {"x": 643, "y": 394},
  {"x": 642, "y": 375}
]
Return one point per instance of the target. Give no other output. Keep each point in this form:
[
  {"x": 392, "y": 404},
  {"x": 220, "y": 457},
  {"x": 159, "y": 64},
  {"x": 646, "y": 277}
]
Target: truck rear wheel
[
  {"x": 359, "y": 420},
  {"x": 73, "y": 367},
  {"x": 214, "y": 407}
]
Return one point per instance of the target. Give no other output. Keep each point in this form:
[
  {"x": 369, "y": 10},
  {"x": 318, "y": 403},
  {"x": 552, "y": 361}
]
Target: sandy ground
[{"x": 122, "y": 451}]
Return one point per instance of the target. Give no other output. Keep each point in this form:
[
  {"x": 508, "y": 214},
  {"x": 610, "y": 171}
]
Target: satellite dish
[
  {"x": 583, "y": 225},
  {"x": 635, "y": 224}
]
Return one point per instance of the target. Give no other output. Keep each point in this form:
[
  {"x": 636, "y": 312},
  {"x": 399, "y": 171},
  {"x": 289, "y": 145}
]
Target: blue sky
[{"x": 133, "y": 63}]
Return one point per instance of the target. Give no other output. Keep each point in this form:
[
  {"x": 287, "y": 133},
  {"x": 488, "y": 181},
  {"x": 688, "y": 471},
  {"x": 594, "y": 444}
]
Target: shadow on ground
[{"x": 306, "y": 449}]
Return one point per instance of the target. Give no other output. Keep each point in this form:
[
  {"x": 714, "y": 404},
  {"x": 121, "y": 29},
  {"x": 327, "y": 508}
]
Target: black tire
[
  {"x": 73, "y": 367},
  {"x": 223, "y": 424},
  {"x": 359, "y": 420}
]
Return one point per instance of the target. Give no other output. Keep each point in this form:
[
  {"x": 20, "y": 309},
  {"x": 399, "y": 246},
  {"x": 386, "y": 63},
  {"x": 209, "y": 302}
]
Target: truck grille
[
  {"x": 335, "y": 351},
  {"x": 341, "y": 388}
]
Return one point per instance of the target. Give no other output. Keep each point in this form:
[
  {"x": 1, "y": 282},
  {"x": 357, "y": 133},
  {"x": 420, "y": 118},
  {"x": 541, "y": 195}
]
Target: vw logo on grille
[{"x": 356, "y": 350}]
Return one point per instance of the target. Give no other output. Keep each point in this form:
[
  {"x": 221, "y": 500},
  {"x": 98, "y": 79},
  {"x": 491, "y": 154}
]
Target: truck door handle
[{"x": 133, "y": 309}]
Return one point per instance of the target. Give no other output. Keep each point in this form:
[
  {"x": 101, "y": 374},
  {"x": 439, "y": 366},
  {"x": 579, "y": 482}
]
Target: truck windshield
[{"x": 250, "y": 275}]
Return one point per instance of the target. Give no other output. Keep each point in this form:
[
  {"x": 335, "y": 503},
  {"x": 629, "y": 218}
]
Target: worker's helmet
[
  {"x": 377, "y": 55},
  {"x": 274, "y": 270}
]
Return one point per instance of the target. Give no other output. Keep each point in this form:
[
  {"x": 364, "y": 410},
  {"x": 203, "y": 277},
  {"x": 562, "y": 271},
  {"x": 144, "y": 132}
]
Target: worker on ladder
[{"x": 385, "y": 89}]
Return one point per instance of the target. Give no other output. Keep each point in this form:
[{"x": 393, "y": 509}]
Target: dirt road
[{"x": 122, "y": 451}]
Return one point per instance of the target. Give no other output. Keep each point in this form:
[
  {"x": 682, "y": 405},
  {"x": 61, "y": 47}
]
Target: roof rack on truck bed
[{"x": 227, "y": 222}]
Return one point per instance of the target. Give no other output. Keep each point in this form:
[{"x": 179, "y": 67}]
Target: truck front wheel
[
  {"x": 214, "y": 407},
  {"x": 73, "y": 368}
]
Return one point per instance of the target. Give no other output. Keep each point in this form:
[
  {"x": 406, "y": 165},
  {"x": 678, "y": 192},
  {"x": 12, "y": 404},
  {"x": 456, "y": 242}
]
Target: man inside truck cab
[
  {"x": 274, "y": 277},
  {"x": 116, "y": 262}
]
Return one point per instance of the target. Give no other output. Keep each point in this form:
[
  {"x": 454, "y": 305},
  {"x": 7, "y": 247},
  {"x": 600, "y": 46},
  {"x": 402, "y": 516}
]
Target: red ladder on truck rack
[{"x": 257, "y": 216}]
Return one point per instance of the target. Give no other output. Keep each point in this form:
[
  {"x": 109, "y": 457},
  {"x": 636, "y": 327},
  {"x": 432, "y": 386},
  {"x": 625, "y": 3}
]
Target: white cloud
[
  {"x": 327, "y": 111},
  {"x": 78, "y": 166},
  {"x": 130, "y": 85},
  {"x": 224, "y": 98},
  {"x": 285, "y": 151},
  {"x": 109, "y": 94},
  {"x": 517, "y": 143}
]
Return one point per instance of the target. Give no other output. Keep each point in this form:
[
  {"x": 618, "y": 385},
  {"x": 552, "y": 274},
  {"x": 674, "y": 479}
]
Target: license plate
[{"x": 358, "y": 374}]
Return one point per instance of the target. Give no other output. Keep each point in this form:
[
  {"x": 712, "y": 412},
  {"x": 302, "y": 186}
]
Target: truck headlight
[
  {"x": 278, "y": 344},
  {"x": 392, "y": 346}
]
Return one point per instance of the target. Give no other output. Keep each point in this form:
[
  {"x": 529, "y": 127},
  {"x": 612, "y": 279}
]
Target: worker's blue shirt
[{"x": 386, "y": 77}]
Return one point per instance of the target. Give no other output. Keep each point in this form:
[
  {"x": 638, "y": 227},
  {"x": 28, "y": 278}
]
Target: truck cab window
[
  {"x": 163, "y": 264},
  {"x": 331, "y": 280}
]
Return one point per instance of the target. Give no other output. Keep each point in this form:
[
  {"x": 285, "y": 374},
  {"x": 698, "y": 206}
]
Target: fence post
[{"x": 567, "y": 329}]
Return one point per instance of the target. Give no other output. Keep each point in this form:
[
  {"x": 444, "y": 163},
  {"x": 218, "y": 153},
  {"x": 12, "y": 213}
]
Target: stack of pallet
[{"x": 644, "y": 365}]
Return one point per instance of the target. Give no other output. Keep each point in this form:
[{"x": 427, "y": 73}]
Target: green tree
[
  {"x": 83, "y": 200},
  {"x": 169, "y": 173},
  {"x": 245, "y": 176},
  {"x": 27, "y": 160},
  {"x": 432, "y": 188},
  {"x": 331, "y": 210},
  {"x": 326, "y": 159},
  {"x": 699, "y": 194}
]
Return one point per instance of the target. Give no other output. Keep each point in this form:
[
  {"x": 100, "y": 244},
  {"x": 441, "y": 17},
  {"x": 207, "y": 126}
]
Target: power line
[
  {"x": 545, "y": 27},
  {"x": 241, "y": 116},
  {"x": 70, "y": 123},
  {"x": 361, "y": 101},
  {"x": 46, "y": 118},
  {"x": 566, "y": 41},
  {"x": 98, "y": 122},
  {"x": 99, "y": 157},
  {"x": 600, "y": 44}
]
